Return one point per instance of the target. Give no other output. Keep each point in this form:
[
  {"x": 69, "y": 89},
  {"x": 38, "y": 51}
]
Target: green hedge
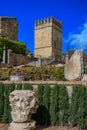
[
  {"x": 1, "y": 100},
  {"x": 17, "y": 47},
  {"x": 27, "y": 86},
  {"x": 54, "y": 106},
  {"x": 78, "y": 107}
]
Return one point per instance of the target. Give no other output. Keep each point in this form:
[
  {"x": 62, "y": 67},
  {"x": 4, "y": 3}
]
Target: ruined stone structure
[
  {"x": 24, "y": 103},
  {"x": 48, "y": 38},
  {"x": 13, "y": 59},
  {"x": 9, "y": 28},
  {"x": 16, "y": 59},
  {"x": 74, "y": 66}
]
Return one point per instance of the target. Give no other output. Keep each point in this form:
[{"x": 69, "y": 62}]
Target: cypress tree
[
  {"x": 8, "y": 88},
  {"x": 39, "y": 115},
  {"x": 1, "y": 100},
  {"x": 27, "y": 86},
  {"x": 85, "y": 117},
  {"x": 46, "y": 104},
  {"x": 74, "y": 106},
  {"x": 81, "y": 107},
  {"x": 54, "y": 105},
  {"x": 18, "y": 86},
  {"x": 63, "y": 105}
]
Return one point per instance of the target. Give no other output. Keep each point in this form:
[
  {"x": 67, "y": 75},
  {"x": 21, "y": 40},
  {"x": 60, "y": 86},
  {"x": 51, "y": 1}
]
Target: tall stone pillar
[
  {"x": 9, "y": 53},
  {"x": 4, "y": 54},
  {"x": 24, "y": 103},
  {"x": 39, "y": 62}
]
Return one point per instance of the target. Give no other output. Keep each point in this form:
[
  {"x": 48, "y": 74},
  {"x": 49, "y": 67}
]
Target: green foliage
[
  {"x": 39, "y": 93},
  {"x": 18, "y": 86},
  {"x": 4, "y": 74},
  {"x": 81, "y": 112},
  {"x": 85, "y": 107},
  {"x": 74, "y": 106},
  {"x": 85, "y": 69},
  {"x": 54, "y": 105},
  {"x": 17, "y": 47},
  {"x": 27, "y": 86},
  {"x": 35, "y": 73},
  {"x": 46, "y": 104},
  {"x": 6, "y": 117},
  {"x": 63, "y": 105},
  {"x": 59, "y": 73},
  {"x": 78, "y": 111},
  {"x": 39, "y": 114},
  {"x": 1, "y": 100}
]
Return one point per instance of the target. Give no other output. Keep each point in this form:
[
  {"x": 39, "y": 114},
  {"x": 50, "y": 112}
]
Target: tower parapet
[{"x": 48, "y": 20}]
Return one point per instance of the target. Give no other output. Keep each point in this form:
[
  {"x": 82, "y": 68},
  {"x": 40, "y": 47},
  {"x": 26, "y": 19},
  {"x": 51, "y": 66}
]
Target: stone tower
[
  {"x": 9, "y": 28},
  {"x": 48, "y": 38}
]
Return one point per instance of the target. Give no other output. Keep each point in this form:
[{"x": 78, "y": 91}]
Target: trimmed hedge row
[
  {"x": 17, "y": 47},
  {"x": 54, "y": 106},
  {"x": 35, "y": 73}
]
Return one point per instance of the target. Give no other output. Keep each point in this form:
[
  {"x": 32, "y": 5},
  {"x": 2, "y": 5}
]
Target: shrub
[
  {"x": 35, "y": 73},
  {"x": 15, "y": 46},
  {"x": 4, "y": 74},
  {"x": 59, "y": 73}
]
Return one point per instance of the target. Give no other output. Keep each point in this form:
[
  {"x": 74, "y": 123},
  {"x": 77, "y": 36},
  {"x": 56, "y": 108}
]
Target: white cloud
[{"x": 79, "y": 40}]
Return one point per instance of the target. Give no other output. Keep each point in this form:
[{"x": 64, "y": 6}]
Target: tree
[
  {"x": 63, "y": 105},
  {"x": 46, "y": 104},
  {"x": 54, "y": 105}
]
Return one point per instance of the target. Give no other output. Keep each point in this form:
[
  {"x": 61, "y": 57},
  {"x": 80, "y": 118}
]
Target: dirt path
[{"x": 5, "y": 127}]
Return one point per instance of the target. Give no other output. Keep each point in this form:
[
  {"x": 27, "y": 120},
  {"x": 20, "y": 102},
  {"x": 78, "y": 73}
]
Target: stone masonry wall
[
  {"x": 9, "y": 28},
  {"x": 17, "y": 59},
  {"x": 48, "y": 38}
]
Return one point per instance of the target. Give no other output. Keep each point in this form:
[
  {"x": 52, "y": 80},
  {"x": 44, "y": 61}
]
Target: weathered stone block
[
  {"x": 74, "y": 66},
  {"x": 24, "y": 103}
]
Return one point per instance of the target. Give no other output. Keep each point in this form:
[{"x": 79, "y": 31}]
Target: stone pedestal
[
  {"x": 24, "y": 103},
  {"x": 23, "y": 126}
]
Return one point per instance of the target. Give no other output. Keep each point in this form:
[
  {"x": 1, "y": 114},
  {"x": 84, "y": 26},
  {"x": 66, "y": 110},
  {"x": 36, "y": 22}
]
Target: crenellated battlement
[{"x": 47, "y": 21}]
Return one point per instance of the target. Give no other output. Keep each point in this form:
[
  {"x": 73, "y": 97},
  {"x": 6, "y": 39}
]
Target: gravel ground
[{"x": 5, "y": 127}]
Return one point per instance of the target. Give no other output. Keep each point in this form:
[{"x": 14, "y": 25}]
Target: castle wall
[
  {"x": 9, "y": 28},
  {"x": 43, "y": 42},
  {"x": 17, "y": 59},
  {"x": 57, "y": 41}
]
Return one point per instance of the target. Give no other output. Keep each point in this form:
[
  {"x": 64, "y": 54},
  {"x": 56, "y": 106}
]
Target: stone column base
[{"x": 22, "y": 126}]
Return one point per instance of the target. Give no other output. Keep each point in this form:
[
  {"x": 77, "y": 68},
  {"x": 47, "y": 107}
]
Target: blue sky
[{"x": 72, "y": 13}]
